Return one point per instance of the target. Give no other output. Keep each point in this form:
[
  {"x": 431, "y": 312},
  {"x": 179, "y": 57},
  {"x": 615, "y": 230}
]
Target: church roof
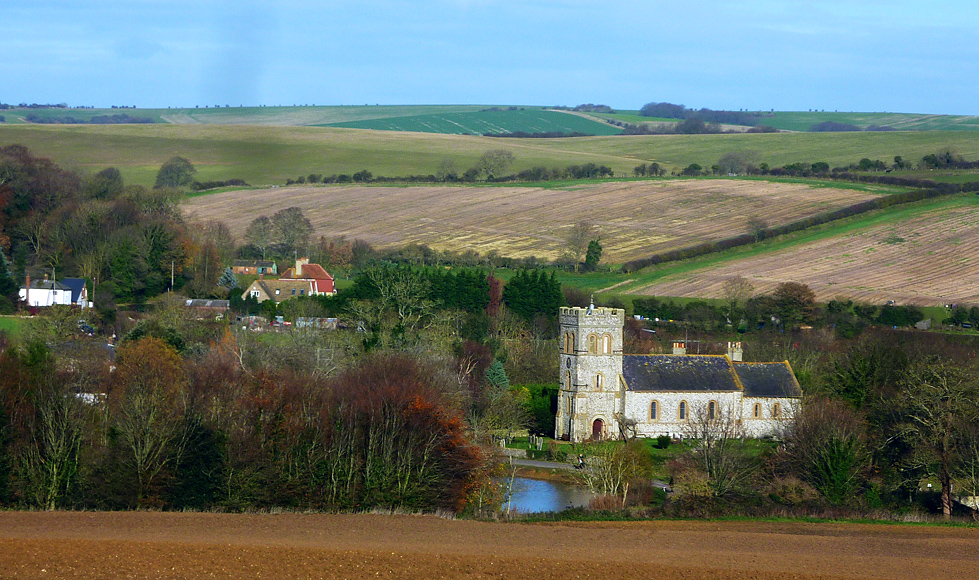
[
  {"x": 666, "y": 372},
  {"x": 773, "y": 379}
]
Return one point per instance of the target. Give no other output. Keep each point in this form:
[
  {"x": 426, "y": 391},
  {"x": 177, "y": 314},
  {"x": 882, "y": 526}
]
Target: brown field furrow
[
  {"x": 928, "y": 265},
  {"x": 292, "y": 546},
  {"x": 635, "y": 219}
]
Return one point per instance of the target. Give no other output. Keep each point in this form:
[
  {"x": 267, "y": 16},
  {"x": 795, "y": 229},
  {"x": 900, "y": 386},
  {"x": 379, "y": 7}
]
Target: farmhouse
[
  {"x": 279, "y": 290},
  {"x": 323, "y": 281},
  {"x": 604, "y": 393}
]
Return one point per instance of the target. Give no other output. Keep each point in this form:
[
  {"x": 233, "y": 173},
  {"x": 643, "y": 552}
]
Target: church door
[{"x": 596, "y": 429}]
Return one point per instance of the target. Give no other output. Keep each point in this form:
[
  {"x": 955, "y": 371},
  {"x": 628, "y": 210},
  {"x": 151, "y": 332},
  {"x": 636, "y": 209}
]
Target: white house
[
  {"x": 604, "y": 392},
  {"x": 68, "y": 292}
]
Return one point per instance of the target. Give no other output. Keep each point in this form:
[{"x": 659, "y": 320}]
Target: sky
[{"x": 852, "y": 55}]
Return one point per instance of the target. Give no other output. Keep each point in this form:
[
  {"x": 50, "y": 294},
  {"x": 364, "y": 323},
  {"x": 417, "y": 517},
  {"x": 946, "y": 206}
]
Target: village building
[
  {"x": 44, "y": 292},
  {"x": 303, "y": 270},
  {"x": 605, "y": 394},
  {"x": 279, "y": 290},
  {"x": 254, "y": 267}
]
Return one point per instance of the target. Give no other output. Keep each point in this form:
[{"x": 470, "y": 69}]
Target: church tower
[{"x": 591, "y": 398}]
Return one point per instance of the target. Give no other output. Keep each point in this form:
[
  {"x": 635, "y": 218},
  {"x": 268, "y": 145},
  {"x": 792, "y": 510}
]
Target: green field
[
  {"x": 803, "y": 120},
  {"x": 533, "y": 120},
  {"x": 268, "y": 155}
]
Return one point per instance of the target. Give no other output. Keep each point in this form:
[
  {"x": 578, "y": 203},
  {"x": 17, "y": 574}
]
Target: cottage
[
  {"x": 254, "y": 267},
  {"x": 279, "y": 290},
  {"x": 68, "y": 292},
  {"x": 315, "y": 273},
  {"x": 604, "y": 393}
]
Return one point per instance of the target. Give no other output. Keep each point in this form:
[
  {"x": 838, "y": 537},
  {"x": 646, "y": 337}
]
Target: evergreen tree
[
  {"x": 593, "y": 255},
  {"x": 228, "y": 280},
  {"x": 496, "y": 376}
]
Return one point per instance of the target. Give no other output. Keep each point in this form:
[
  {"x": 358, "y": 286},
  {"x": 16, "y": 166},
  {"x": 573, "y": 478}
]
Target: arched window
[
  {"x": 599, "y": 381},
  {"x": 654, "y": 411},
  {"x": 567, "y": 380},
  {"x": 607, "y": 344},
  {"x": 682, "y": 413},
  {"x": 756, "y": 412},
  {"x": 776, "y": 410},
  {"x": 592, "y": 344},
  {"x": 712, "y": 410}
]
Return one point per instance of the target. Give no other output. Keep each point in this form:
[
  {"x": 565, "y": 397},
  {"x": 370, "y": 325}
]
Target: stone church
[{"x": 604, "y": 393}]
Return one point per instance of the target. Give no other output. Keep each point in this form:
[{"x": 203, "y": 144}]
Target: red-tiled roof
[{"x": 310, "y": 272}]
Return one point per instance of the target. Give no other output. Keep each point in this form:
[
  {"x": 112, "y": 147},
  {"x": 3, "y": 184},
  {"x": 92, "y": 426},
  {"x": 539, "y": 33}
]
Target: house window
[
  {"x": 277, "y": 290},
  {"x": 712, "y": 410},
  {"x": 756, "y": 412},
  {"x": 293, "y": 292},
  {"x": 255, "y": 293},
  {"x": 653, "y": 411},
  {"x": 776, "y": 410},
  {"x": 302, "y": 292},
  {"x": 682, "y": 414}
]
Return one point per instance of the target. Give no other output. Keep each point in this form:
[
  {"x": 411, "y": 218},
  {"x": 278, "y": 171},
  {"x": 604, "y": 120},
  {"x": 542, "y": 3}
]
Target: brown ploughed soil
[
  {"x": 155, "y": 545},
  {"x": 635, "y": 219}
]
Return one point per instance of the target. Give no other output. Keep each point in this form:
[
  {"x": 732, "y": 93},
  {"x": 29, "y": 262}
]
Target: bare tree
[
  {"x": 292, "y": 228},
  {"x": 611, "y": 468},
  {"x": 577, "y": 239},
  {"x": 261, "y": 234},
  {"x": 720, "y": 451},
  {"x": 737, "y": 290},
  {"x": 938, "y": 399}
]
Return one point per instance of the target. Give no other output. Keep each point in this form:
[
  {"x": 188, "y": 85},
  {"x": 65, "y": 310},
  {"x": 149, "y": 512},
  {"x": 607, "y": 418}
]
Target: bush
[{"x": 663, "y": 441}]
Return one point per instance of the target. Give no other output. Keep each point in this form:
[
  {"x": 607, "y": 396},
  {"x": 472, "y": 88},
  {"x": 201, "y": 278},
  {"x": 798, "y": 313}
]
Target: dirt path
[{"x": 192, "y": 546}]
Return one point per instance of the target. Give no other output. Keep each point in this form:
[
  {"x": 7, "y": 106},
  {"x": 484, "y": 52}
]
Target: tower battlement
[{"x": 591, "y": 316}]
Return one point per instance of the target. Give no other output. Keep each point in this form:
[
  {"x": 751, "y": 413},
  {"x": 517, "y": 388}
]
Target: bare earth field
[
  {"x": 928, "y": 259},
  {"x": 635, "y": 219},
  {"x": 149, "y": 545}
]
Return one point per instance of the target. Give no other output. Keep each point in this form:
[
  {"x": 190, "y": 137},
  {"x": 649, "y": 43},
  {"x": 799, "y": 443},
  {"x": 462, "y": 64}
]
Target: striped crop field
[
  {"x": 925, "y": 255},
  {"x": 532, "y": 120},
  {"x": 635, "y": 218}
]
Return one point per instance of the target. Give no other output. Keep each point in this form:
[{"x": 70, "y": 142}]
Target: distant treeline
[
  {"x": 586, "y": 108},
  {"x": 671, "y": 111},
  {"x": 202, "y": 185},
  {"x": 538, "y": 173},
  {"x": 117, "y": 119}
]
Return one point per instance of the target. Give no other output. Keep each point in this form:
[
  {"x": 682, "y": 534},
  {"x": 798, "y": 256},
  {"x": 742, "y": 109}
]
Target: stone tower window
[
  {"x": 599, "y": 380},
  {"x": 592, "y": 344},
  {"x": 607, "y": 344}
]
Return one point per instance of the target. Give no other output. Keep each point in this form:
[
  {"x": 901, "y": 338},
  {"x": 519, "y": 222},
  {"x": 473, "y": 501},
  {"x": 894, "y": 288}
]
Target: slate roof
[
  {"x": 667, "y": 372},
  {"x": 76, "y": 285},
  {"x": 768, "y": 379}
]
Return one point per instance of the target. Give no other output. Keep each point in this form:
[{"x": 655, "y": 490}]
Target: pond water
[{"x": 534, "y": 496}]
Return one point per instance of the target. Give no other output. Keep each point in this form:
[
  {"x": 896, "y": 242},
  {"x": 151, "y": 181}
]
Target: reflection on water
[{"x": 533, "y": 496}]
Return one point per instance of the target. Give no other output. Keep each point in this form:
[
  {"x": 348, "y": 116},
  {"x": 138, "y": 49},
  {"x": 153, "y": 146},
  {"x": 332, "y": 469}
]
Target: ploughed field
[
  {"x": 635, "y": 219},
  {"x": 153, "y": 545},
  {"x": 926, "y": 258}
]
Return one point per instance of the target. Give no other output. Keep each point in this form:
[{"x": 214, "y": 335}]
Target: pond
[{"x": 535, "y": 496}]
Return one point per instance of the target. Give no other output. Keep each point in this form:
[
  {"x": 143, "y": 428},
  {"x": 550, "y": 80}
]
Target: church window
[
  {"x": 776, "y": 410},
  {"x": 567, "y": 380},
  {"x": 654, "y": 411},
  {"x": 599, "y": 379},
  {"x": 607, "y": 344},
  {"x": 756, "y": 413},
  {"x": 592, "y": 344},
  {"x": 712, "y": 410},
  {"x": 682, "y": 414}
]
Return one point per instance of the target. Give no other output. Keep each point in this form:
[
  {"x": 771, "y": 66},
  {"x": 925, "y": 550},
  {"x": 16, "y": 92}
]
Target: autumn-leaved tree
[{"x": 147, "y": 397}]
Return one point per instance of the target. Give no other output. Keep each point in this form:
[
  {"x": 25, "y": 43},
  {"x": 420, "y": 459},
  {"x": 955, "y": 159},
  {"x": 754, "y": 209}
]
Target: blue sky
[{"x": 898, "y": 56}]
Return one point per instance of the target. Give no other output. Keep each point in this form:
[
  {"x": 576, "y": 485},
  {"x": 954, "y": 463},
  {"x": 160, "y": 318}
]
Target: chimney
[
  {"x": 679, "y": 348},
  {"x": 27, "y": 291},
  {"x": 261, "y": 275},
  {"x": 734, "y": 351},
  {"x": 299, "y": 268}
]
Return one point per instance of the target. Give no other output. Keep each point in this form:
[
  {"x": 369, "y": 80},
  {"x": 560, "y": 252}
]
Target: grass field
[
  {"x": 532, "y": 120},
  {"x": 266, "y": 155},
  {"x": 803, "y": 120}
]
